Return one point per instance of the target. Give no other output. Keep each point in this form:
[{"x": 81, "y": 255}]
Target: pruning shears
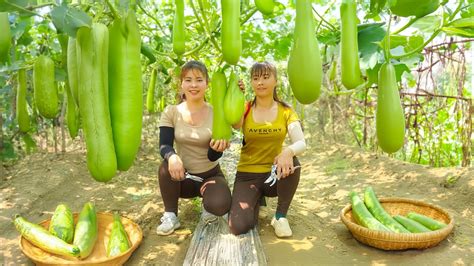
[
  {"x": 193, "y": 177},
  {"x": 273, "y": 175}
]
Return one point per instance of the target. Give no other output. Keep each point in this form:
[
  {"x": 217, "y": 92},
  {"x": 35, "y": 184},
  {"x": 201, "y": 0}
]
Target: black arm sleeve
[
  {"x": 213, "y": 155},
  {"x": 166, "y": 142}
]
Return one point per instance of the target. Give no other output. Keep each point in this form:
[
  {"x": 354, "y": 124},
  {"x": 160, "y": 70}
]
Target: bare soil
[{"x": 38, "y": 183}]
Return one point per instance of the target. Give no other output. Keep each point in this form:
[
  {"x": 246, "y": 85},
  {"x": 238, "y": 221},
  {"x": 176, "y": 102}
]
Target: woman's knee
[
  {"x": 296, "y": 173},
  {"x": 238, "y": 226},
  {"x": 218, "y": 203},
  {"x": 163, "y": 171}
]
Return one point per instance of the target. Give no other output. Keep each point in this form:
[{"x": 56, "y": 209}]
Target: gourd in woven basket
[
  {"x": 400, "y": 241},
  {"x": 98, "y": 255}
]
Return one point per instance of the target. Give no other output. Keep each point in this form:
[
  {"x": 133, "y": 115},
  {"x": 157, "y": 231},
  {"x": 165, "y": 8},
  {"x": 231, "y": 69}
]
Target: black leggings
[
  {"x": 214, "y": 190},
  {"x": 249, "y": 188}
]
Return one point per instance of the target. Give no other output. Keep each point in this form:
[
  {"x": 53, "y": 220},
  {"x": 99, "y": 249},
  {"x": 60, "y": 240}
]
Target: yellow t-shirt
[{"x": 263, "y": 141}]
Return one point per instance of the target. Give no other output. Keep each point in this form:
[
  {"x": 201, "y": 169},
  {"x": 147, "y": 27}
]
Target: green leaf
[
  {"x": 428, "y": 24},
  {"x": 399, "y": 69},
  {"x": 410, "y": 81},
  {"x": 329, "y": 37},
  {"x": 408, "y": 42},
  {"x": 369, "y": 37},
  {"x": 373, "y": 73},
  {"x": 43, "y": 27},
  {"x": 122, "y": 5},
  {"x": 69, "y": 19},
  {"x": 19, "y": 28},
  {"x": 463, "y": 32},
  {"x": 376, "y": 6},
  {"x": 372, "y": 60},
  {"x": 60, "y": 74},
  {"x": 11, "y": 68},
  {"x": 8, "y": 151},
  {"x": 468, "y": 11},
  {"x": 403, "y": 44},
  {"x": 462, "y": 23},
  {"x": 282, "y": 47},
  {"x": 413, "y": 60},
  {"x": 415, "y": 42},
  {"x": 25, "y": 39},
  {"x": 16, "y": 5}
]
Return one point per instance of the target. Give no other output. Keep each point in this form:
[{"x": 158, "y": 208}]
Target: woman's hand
[
  {"x": 219, "y": 145},
  {"x": 284, "y": 162},
  {"x": 176, "y": 168},
  {"x": 241, "y": 86}
]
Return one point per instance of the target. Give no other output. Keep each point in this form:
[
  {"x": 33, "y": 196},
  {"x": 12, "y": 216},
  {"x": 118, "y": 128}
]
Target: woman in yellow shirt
[{"x": 265, "y": 125}]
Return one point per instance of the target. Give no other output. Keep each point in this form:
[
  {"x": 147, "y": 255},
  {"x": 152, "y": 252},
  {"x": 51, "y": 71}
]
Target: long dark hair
[
  {"x": 190, "y": 66},
  {"x": 261, "y": 68}
]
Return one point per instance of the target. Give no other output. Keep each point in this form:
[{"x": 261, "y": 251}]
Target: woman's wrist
[
  {"x": 289, "y": 152},
  {"x": 173, "y": 156}
]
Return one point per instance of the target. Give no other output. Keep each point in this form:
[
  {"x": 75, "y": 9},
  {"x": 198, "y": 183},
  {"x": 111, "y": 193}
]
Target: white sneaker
[
  {"x": 282, "y": 227},
  {"x": 207, "y": 217},
  {"x": 169, "y": 222}
]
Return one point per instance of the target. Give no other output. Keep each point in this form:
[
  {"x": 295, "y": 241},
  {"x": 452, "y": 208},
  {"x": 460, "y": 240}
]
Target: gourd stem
[{"x": 387, "y": 40}]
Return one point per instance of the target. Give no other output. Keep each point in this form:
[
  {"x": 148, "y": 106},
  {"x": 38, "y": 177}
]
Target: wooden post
[{"x": 213, "y": 244}]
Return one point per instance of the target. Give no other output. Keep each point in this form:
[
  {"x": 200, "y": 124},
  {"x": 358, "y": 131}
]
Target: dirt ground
[{"x": 37, "y": 184}]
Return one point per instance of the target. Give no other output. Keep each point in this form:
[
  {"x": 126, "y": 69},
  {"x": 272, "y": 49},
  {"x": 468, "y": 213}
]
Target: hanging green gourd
[
  {"x": 72, "y": 113},
  {"x": 234, "y": 101},
  {"x": 305, "y": 70},
  {"x": 5, "y": 37},
  {"x": 72, "y": 68},
  {"x": 92, "y": 60},
  {"x": 125, "y": 88},
  {"x": 390, "y": 120},
  {"x": 69, "y": 63},
  {"x": 150, "y": 94},
  {"x": 265, "y": 6},
  {"x": 350, "y": 69},
  {"x": 161, "y": 96},
  {"x": 148, "y": 53},
  {"x": 220, "y": 128},
  {"x": 45, "y": 90},
  {"x": 178, "y": 28},
  {"x": 22, "y": 117},
  {"x": 230, "y": 37}
]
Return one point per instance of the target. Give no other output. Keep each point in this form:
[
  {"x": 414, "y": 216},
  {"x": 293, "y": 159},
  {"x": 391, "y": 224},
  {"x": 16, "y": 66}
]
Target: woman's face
[
  {"x": 264, "y": 84},
  {"x": 194, "y": 85}
]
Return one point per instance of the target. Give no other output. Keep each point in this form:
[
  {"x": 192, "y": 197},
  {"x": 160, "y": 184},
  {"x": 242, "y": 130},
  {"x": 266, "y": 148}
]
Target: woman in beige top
[{"x": 188, "y": 125}]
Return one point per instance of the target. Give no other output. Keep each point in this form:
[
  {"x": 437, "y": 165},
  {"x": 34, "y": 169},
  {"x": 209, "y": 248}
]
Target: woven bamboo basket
[
  {"x": 98, "y": 255},
  {"x": 400, "y": 241}
]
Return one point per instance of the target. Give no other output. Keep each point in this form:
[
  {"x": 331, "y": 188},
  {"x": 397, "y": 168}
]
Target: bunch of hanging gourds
[
  {"x": 305, "y": 71},
  {"x": 106, "y": 84},
  {"x": 226, "y": 98}
]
